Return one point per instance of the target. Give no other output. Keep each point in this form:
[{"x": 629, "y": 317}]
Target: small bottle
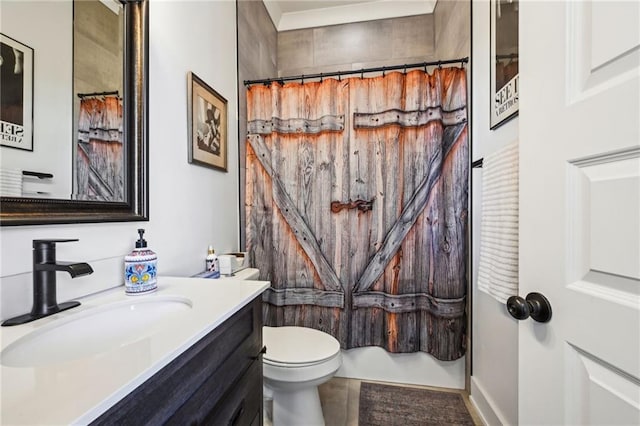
[
  {"x": 140, "y": 268},
  {"x": 212, "y": 263}
]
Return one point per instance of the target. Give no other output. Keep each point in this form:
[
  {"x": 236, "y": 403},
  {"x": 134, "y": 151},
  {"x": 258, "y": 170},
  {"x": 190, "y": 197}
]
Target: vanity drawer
[{"x": 200, "y": 379}]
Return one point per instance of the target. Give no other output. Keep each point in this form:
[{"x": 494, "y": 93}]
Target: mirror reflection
[
  {"x": 97, "y": 87},
  {"x": 71, "y": 88}
]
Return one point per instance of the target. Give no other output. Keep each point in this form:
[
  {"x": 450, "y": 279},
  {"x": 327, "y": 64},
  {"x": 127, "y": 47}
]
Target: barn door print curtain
[
  {"x": 99, "y": 173},
  {"x": 357, "y": 207}
]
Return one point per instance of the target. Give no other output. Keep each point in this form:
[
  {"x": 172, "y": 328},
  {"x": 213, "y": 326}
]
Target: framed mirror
[{"x": 131, "y": 203}]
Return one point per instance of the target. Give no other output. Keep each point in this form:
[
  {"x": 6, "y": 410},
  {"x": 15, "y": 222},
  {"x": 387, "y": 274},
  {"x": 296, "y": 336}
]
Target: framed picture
[
  {"x": 16, "y": 95},
  {"x": 207, "y": 111},
  {"x": 504, "y": 61}
]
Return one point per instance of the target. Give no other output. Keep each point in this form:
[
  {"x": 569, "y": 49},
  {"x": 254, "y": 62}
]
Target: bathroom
[{"x": 192, "y": 207}]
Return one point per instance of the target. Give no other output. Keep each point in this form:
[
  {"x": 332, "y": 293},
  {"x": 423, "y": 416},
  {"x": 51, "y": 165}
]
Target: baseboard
[{"x": 482, "y": 402}]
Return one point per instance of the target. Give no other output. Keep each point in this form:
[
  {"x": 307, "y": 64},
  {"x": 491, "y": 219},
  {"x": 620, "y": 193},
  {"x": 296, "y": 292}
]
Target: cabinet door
[
  {"x": 243, "y": 402},
  {"x": 193, "y": 385},
  {"x": 237, "y": 406}
]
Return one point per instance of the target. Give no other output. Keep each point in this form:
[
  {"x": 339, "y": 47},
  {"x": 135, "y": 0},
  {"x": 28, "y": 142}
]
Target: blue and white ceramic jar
[{"x": 140, "y": 268}]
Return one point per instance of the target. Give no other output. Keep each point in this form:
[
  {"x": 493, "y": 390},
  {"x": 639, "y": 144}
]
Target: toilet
[{"x": 297, "y": 361}]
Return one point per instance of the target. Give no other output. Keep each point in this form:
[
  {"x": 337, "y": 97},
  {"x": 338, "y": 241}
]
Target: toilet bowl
[{"x": 297, "y": 361}]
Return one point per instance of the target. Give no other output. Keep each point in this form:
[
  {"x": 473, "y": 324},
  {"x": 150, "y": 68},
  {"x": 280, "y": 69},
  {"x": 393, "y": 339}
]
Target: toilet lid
[{"x": 298, "y": 345}]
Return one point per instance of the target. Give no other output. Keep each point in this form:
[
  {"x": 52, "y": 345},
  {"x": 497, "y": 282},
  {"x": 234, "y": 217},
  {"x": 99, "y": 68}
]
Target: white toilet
[{"x": 297, "y": 361}]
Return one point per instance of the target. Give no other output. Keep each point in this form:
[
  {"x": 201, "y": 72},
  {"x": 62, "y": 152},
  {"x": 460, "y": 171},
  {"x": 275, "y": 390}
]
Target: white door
[{"x": 580, "y": 211}]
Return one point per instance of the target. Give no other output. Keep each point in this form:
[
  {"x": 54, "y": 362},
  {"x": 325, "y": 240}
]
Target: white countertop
[{"x": 78, "y": 391}]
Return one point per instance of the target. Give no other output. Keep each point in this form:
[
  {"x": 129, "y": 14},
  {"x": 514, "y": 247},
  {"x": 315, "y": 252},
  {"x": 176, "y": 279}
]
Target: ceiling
[
  {"x": 296, "y": 14},
  {"x": 301, "y": 6}
]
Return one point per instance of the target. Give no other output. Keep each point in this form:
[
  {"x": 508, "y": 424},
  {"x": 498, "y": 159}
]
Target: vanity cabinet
[{"x": 218, "y": 381}]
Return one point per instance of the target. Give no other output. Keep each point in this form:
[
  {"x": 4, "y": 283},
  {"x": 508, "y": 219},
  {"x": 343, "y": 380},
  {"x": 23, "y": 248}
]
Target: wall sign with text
[
  {"x": 16, "y": 96},
  {"x": 504, "y": 61}
]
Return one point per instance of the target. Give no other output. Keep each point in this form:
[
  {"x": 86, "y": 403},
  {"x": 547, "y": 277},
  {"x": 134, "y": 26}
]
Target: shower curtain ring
[
  {"x": 425, "y": 68},
  {"x": 405, "y": 69},
  {"x": 384, "y": 71},
  {"x": 361, "y": 74},
  {"x": 321, "y": 78},
  {"x": 440, "y": 65},
  {"x": 302, "y": 79}
]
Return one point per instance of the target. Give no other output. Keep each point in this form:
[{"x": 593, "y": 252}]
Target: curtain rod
[
  {"x": 86, "y": 95},
  {"x": 361, "y": 71}
]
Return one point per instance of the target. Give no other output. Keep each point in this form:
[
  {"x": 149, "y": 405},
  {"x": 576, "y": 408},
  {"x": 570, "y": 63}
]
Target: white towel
[
  {"x": 11, "y": 183},
  {"x": 498, "y": 269}
]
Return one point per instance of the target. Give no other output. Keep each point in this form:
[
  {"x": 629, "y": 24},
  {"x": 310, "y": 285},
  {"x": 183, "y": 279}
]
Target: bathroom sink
[{"x": 94, "y": 331}]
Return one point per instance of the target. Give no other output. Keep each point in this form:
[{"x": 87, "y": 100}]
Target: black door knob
[{"x": 535, "y": 306}]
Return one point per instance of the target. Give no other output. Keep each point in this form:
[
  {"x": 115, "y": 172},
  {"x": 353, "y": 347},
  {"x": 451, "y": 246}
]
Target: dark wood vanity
[{"x": 218, "y": 381}]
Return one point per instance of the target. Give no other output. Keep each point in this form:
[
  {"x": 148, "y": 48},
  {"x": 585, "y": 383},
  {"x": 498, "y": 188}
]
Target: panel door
[{"x": 580, "y": 211}]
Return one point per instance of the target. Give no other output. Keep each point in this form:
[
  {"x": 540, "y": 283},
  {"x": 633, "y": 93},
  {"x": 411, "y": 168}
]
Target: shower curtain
[
  {"x": 357, "y": 207},
  {"x": 99, "y": 173}
]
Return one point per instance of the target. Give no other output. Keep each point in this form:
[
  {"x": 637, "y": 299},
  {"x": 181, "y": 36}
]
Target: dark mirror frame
[{"x": 37, "y": 211}]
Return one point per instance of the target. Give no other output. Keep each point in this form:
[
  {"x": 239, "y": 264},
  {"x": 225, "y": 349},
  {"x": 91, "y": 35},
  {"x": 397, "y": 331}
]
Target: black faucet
[{"x": 44, "y": 281}]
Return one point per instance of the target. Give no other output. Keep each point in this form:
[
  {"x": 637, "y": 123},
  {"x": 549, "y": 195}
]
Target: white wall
[
  {"x": 494, "y": 383},
  {"x": 46, "y": 27},
  {"x": 190, "y": 206}
]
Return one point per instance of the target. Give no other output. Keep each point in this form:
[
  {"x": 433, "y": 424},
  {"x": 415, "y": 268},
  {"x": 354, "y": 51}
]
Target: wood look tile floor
[{"x": 340, "y": 400}]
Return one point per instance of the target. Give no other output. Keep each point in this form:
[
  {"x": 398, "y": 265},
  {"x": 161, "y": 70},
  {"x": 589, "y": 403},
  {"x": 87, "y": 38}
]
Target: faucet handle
[{"x": 51, "y": 242}]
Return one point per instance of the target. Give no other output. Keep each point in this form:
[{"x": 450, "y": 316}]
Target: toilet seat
[
  {"x": 294, "y": 347},
  {"x": 299, "y": 364}
]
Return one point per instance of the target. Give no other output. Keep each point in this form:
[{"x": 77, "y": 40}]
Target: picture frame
[
  {"x": 207, "y": 122},
  {"x": 16, "y": 96},
  {"x": 505, "y": 79}
]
